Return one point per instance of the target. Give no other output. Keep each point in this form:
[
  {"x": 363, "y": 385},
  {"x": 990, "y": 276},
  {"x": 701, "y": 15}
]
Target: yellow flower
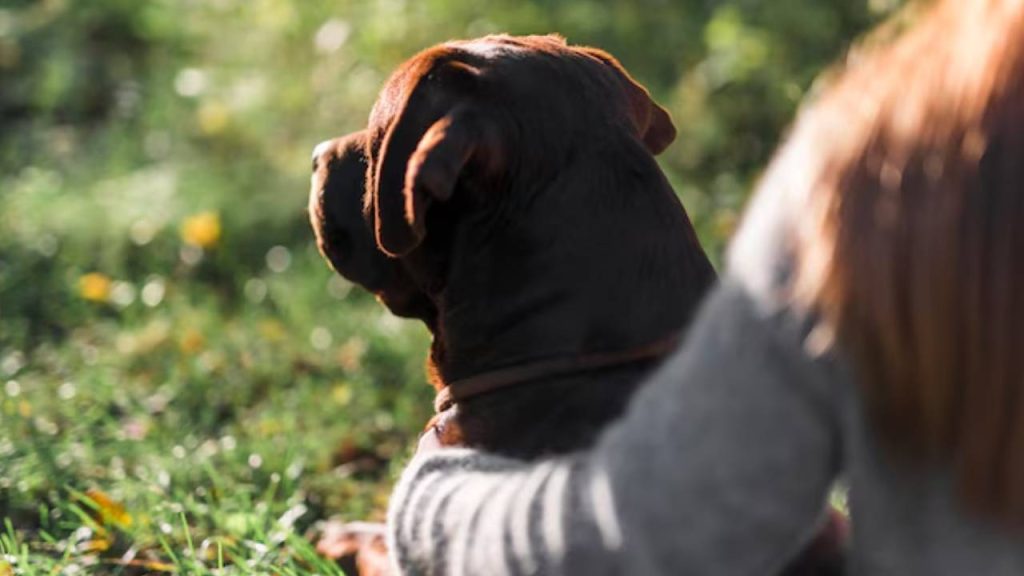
[
  {"x": 342, "y": 394},
  {"x": 273, "y": 330},
  {"x": 213, "y": 118},
  {"x": 202, "y": 230},
  {"x": 192, "y": 342},
  {"x": 94, "y": 287}
]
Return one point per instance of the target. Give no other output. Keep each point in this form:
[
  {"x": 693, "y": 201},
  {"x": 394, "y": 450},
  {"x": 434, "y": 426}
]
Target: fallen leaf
[{"x": 107, "y": 510}]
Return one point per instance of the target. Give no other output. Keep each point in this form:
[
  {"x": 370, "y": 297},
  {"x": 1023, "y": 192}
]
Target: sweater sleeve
[{"x": 721, "y": 465}]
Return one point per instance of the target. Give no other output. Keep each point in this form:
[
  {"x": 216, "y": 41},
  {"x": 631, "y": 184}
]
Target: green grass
[{"x": 224, "y": 425}]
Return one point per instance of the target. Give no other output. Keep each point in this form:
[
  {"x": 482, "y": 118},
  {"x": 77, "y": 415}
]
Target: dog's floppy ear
[
  {"x": 652, "y": 122},
  {"x": 437, "y": 135}
]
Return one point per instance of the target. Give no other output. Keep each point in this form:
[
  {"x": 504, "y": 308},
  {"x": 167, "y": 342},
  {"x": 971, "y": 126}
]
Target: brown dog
[
  {"x": 513, "y": 203},
  {"x": 517, "y": 210}
]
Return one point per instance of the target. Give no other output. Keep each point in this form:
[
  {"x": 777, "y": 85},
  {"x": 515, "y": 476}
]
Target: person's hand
[{"x": 358, "y": 547}]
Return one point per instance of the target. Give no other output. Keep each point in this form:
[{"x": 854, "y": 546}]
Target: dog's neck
[
  {"x": 621, "y": 273},
  {"x": 548, "y": 370}
]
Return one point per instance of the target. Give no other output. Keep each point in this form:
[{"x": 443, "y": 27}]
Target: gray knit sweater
[{"x": 722, "y": 465}]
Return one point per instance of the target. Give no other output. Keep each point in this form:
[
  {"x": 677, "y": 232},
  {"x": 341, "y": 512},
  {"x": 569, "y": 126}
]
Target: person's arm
[{"x": 721, "y": 465}]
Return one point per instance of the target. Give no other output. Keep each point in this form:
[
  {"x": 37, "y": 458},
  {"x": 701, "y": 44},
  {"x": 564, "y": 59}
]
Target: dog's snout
[
  {"x": 321, "y": 153},
  {"x": 340, "y": 241}
]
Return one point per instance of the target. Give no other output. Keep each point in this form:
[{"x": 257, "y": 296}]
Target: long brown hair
[{"x": 911, "y": 245}]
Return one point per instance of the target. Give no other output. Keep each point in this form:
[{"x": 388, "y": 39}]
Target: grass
[{"x": 203, "y": 427}]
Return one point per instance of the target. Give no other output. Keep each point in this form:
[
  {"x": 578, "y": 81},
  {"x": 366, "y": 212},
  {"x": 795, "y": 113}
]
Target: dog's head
[{"x": 462, "y": 124}]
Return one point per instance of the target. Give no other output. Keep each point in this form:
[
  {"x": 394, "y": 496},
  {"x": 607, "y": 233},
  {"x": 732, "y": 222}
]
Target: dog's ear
[
  {"x": 437, "y": 136},
  {"x": 652, "y": 122}
]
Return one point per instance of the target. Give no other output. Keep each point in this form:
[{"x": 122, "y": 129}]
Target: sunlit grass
[{"x": 204, "y": 426}]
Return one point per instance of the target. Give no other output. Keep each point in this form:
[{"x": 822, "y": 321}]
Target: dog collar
[{"x": 487, "y": 382}]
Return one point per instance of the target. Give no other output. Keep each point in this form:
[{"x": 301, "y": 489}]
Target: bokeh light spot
[{"x": 279, "y": 259}]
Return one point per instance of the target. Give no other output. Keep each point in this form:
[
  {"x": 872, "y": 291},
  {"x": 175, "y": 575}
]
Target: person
[{"x": 869, "y": 327}]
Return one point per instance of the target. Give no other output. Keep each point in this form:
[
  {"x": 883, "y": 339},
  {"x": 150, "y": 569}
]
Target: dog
[
  {"x": 515, "y": 207},
  {"x": 505, "y": 193}
]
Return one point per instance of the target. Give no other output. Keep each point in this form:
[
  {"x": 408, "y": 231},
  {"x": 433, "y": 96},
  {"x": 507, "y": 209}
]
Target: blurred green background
[{"x": 184, "y": 386}]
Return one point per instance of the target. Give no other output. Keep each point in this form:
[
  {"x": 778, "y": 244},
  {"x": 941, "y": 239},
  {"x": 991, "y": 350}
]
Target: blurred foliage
[{"x": 183, "y": 384}]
